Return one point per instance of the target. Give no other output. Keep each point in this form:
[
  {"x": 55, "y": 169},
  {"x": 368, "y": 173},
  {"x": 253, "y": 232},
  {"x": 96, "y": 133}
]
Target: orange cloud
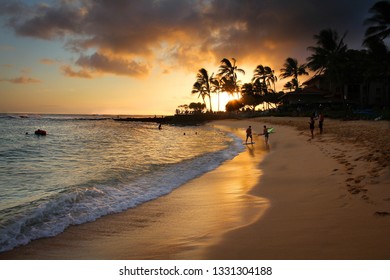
[
  {"x": 106, "y": 64},
  {"x": 99, "y": 64},
  {"x": 68, "y": 71},
  {"x": 22, "y": 80},
  {"x": 48, "y": 61},
  {"x": 182, "y": 33}
]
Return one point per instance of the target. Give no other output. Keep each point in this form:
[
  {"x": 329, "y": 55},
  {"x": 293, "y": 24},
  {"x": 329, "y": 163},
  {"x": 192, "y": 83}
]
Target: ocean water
[{"x": 90, "y": 166}]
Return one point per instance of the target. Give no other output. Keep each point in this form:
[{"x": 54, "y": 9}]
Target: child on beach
[
  {"x": 248, "y": 134},
  {"x": 321, "y": 122},
  {"x": 311, "y": 125}
]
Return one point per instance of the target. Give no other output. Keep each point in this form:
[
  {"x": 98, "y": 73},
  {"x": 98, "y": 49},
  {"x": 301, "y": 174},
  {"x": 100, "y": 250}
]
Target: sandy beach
[
  {"x": 298, "y": 198},
  {"x": 329, "y": 196}
]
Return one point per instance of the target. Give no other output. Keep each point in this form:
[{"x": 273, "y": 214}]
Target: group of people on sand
[
  {"x": 249, "y": 134},
  {"x": 312, "y": 121},
  {"x": 266, "y": 133}
]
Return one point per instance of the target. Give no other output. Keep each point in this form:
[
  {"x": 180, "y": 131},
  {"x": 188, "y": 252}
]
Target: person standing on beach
[
  {"x": 321, "y": 122},
  {"x": 266, "y": 134},
  {"x": 311, "y": 125},
  {"x": 248, "y": 134}
]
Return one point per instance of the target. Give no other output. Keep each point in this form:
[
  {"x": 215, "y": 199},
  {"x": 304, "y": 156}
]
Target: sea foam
[{"x": 120, "y": 190}]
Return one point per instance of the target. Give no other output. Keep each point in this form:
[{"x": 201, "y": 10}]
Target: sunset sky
[{"x": 141, "y": 57}]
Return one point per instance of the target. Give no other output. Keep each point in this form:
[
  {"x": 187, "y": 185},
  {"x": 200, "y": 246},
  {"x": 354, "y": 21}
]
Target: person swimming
[{"x": 40, "y": 132}]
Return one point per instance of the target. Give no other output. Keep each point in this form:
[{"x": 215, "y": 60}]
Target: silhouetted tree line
[{"x": 330, "y": 58}]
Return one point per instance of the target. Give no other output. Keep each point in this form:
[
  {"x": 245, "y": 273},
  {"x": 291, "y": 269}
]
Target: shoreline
[
  {"x": 179, "y": 225},
  {"x": 326, "y": 198},
  {"x": 329, "y": 196}
]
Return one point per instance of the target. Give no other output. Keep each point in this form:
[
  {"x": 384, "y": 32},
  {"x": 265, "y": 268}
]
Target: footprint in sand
[
  {"x": 373, "y": 174},
  {"x": 355, "y": 189},
  {"x": 382, "y": 213},
  {"x": 359, "y": 179},
  {"x": 358, "y": 158},
  {"x": 340, "y": 156}
]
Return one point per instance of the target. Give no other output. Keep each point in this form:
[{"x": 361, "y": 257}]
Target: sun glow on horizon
[{"x": 223, "y": 99}]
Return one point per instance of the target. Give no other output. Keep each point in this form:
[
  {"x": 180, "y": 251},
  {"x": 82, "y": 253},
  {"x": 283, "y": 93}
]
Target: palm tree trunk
[
  {"x": 218, "y": 101},
  {"x": 211, "y": 109},
  {"x": 204, "y": 102}
]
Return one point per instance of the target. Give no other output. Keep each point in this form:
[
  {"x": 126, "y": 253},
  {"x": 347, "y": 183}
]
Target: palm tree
[
  {"x": 216, "y": 87},
  {"x": 379, "y": 22},
  {"x": 228, "y": 75},
  {"x": 328, "y": 56},
  {"x": 291, "y": 68},
  {"x": 378, "y": 30},
  {"x": 291, "y": 85},
  {"x": 198, "y": 88},
  {"x": 378, "y": 60},
  {"x": 271, "y": 78},
  {"x": 377, "y": 65},
  {"x": 202, "y": 85},
  {"x": 264, "y": 77},
  {"x": 250, "y": 97}
]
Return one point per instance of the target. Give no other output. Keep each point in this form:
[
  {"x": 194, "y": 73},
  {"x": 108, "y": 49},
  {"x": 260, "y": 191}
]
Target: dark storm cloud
[
  {"x": 42, "y": 21},
  {"x": 126, "y": 34},
  {"x": 103, "y": 63},
  {"x": 277, "y": 28},
  {"x": 12, "y": 8}
]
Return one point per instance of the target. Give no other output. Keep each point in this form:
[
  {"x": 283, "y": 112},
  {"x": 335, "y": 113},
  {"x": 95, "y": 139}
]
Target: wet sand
[
  {"x": 177, "y": 226},
  {"x": 298, "y": 198},
  {"x": 329, "y": 196}
]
